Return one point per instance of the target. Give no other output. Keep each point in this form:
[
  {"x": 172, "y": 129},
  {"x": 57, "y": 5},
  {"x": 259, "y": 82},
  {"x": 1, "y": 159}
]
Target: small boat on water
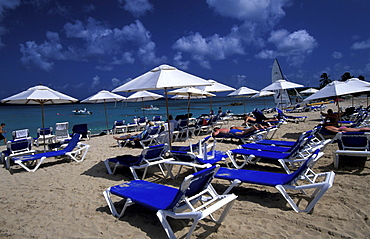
[
  {"x": 81, "y": 112},
  {"x": 151, "y": 107}
]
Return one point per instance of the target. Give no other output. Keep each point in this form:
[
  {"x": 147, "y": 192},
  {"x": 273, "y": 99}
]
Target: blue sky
[{"x": 82, "y": 47}]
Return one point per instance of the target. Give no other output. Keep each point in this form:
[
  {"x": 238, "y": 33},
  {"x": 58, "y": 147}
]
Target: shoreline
[{"x": 63, "y": 199}]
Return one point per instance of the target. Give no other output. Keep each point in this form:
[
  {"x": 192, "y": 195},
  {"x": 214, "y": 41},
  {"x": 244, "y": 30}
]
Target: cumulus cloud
[
  {"x": 179, "y": 62},
  {"x": 211, "y": 48},
  {"x": 95, "y": 82},
  {"x": 137, "y": 7},
  {"x": 257, "y": 18},
  {"x": 8, "y": 4},
  {"x": 337, "y": 55},
  {"x": 361, "y": 45},
  {"x": 93, "y": 40},
  {"x": 295, "y": 46}
]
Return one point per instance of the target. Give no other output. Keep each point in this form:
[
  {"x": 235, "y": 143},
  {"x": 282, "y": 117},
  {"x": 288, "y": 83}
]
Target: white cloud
[
  {"x": 95, "y": 82},
  {"x": 94, "y": 40},
  {"x": 8, "y": 4},
  {"x": 361, "y": 45},
  {"x": 295, "y": 46},
  {"x": 337, "y": 55},
  {"x": 211, "y": 48},
  {"x": 137, "y": 7},
  {"x": 179, "y": 62}
]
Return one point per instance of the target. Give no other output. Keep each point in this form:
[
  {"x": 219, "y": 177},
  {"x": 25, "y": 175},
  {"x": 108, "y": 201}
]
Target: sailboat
[{"x": 282, "y": 99}]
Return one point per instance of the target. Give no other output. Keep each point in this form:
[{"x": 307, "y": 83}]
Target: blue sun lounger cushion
[
  {"x": 182, "y": 203},
  {"x": 73, "y": 149},
  {"x": 282, "y": 182}
]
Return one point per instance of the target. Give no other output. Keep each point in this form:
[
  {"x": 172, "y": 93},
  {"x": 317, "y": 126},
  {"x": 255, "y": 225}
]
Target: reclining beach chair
[
  {"x": 153, "y": 155},
  {"x": 44, "y": 135},
  {"x": 20, "y": 134},
  {"x": 73, "y": 149},
  {"x": 82, "y": 130},
  {"x": 245, "y": 138},
  {"x": 151, "y": 137},
  {"x": 157, "y": 120},
  {"x": 285, "y": 182},
  {"x": 194, "y": 148},
  {"x": 295, "y": 157},
  {"x": 182, "y": 203},
  {"x": 296, "y": 119},
  {"x": 15, "y": 148},
  {"x": 119, "y": 126},
  {"x": 351, "y": 144}
]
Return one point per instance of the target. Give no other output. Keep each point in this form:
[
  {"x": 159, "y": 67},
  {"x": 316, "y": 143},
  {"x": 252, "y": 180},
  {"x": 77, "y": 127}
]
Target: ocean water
[{"x": 29, "y": 116}]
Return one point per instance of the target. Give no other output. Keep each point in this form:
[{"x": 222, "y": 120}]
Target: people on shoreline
[{"x": 2, "y": 132}]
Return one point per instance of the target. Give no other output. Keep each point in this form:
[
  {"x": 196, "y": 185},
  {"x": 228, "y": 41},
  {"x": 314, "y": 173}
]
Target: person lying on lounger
[
  {"x": 331, "y": 124},
  {"x": 236, "y": 130}
]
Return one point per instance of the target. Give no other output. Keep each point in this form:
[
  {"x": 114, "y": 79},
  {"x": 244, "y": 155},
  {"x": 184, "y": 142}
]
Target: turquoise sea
[{"x": 29, "y": 116}]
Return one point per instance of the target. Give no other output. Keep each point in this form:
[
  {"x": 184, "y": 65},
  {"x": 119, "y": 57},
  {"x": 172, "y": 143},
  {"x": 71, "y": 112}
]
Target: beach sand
[{"x": 63, "y": 199}]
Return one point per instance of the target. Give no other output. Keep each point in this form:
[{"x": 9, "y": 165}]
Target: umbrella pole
[
  {"x": 210, "y": 101},
  {"x": 142, "y": 106},
  {"x": 167, "y": 112},
  {"x": 106, "y": 117},
  {"x": 43, "y": 125}
]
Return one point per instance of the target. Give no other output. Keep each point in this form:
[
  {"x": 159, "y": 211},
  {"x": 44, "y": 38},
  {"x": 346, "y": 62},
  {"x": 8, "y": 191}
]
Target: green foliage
[{"x": 324, "y": 80}]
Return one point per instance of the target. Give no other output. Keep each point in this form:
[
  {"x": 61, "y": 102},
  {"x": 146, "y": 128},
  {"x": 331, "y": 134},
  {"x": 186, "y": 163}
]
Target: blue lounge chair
[
  {"x": 153, "y": 155},
  {"x": 15, "y": 148},
  {"x": 119, "y": 126},
  {"x": 351, "y": 144},
  {"x": 82, "y": 130},
  {"x": 44, "y": 135},
  {"x": 253, "y": 136},
  {"x": 194, "y": 148},
  {"x": 175, "y": 203},
  {"x": 73, "y": 149},
  {"x": 20, "y": 134},
  {"x": 294, "y": 157},
  {"x": 284, "y": 182}
]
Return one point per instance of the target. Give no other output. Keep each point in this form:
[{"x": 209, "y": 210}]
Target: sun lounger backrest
[
  {"x": 192, "y": 185},
  {"x": 154, "y": 151},
  {"x": 353, "y": 140},
  {"x": 20, "y": 134},
  {"x": 73, "y": 143}
]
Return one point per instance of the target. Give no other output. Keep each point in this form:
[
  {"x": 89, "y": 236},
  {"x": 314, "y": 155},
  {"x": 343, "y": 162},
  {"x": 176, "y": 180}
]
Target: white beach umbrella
[
  {"x": 263, "y": 93},
  {"x": 39, "y": 95},
  {"x": 184, "y": 97},
  {"x": 104, "y": 96},
  {"x": 282, "y": 85},
  {"x": 309, "y": 91},
  {"x": 243, "y": 92},
  {"x": 215, "y": 87},
  {"x": 142, "y": 96},
  {"x": 163, "y": 77}
]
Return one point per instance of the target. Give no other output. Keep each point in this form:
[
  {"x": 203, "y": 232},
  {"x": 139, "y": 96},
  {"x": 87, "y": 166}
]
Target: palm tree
[
  {"x": 346, "y": 76},
  {"x": 361, "y": 77},
  {"x": 324, "y": 80}
]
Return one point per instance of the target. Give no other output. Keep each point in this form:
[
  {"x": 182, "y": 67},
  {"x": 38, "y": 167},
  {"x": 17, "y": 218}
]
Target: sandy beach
[{"x": 63, "y": 198}]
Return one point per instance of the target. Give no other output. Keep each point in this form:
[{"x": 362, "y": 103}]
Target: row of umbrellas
[{"x": 165, "y": 77}]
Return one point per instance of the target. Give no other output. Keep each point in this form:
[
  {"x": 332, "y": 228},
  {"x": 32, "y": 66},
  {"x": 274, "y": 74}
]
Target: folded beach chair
[
  {"x": 141, "y": 123},
  {"x": 182, "y": 203},
  {"x": 20, "y": 134},
  {"x": 157, "y": 120},
  {"x": 351, "y": 144},
  {"x": 119, "y": 126},
  {"x": 44, "y": 134},
  {"x": 295, "y": 157},
  {"x": 194, "y": 148},
  {"x": 296, "y": 119},
  {"x": 285, "y": 182},
  {"x": 153, "y": 155},
  {"x": 15, "y": 148},
  {"x": 72, "y": 150}
]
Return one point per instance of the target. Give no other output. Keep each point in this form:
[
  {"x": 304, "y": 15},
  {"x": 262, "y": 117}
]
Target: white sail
[{"x": 282, "y": 99}]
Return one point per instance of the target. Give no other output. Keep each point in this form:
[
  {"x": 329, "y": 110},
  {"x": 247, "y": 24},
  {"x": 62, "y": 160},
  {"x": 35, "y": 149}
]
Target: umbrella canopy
[
  {"x": 215, "y": 87},
  {"x": 243, "y": 92},
  {"x": 309, "y": 91},
  {"x": 104, "y": 96},
  {"x": 39, "y": 95},
  {"x": 338, "y": 88},
  {"x": 282, "y": 85},
  {"x": 263, "y": 93},
  {"x": 143, "y": 95},
  {"x": 162, "y": 77},
  {"x": 184, "y": 97}
]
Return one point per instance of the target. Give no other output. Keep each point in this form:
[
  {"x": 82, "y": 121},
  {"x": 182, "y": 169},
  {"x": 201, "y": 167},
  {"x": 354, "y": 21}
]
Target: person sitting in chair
[
  {"x": 138, "y": 136},
  {"x": 331, "y": 124},
  {"x": 236, "y": 130}
]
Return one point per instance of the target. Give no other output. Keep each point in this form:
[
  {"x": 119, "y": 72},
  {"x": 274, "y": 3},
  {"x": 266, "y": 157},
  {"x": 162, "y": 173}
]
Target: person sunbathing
[
  {"x": 135, "y": 137},
  {"x": 331, "y": 124},
  {"x": 235, "y": 130}
]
